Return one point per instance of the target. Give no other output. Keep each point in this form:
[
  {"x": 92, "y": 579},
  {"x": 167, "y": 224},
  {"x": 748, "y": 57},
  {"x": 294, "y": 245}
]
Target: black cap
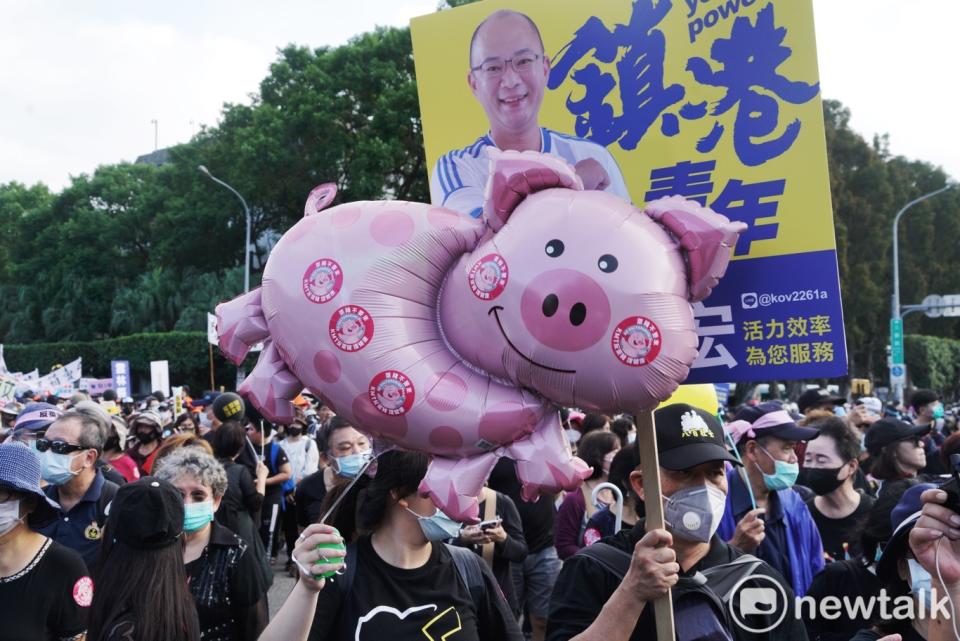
[
  {"x": 228, "y": 407},
  {"x": 147, "y": 514},
  {"x": 688, "y": 436},
  {"x": 815, "y": 397},
  {"x": 903, "y": 517},
  {"x": 890, "y": 430},
  {"x": 751, "y": 413}
]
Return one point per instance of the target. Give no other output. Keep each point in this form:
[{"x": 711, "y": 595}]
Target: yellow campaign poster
[{"x": 715, "y": 100}]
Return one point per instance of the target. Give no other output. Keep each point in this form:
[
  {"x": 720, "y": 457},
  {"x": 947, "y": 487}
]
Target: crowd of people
[{"x": 167, "y": 519}]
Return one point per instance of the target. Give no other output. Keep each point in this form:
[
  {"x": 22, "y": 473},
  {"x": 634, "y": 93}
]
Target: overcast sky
[{"x": 81, "y": 80}]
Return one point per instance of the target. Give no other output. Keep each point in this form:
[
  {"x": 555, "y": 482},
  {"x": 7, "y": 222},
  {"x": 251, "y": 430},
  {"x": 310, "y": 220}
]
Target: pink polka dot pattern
[
  {"x": 327, "y": 366},
  {"x": 500, "y": 424},
  {"x": 298, "y": 231},
  {"x": 443, "y": 218},
  {"x": 446, "y": 439},
  {"x": 345, "y": 217},
  {"x": 376, "y": 422},
  {"x": 392, "y": 228},
  {"x": 448, "y": 393}
]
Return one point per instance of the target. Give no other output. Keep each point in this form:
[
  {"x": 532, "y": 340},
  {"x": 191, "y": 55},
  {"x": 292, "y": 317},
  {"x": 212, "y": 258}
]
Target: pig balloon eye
[
  {"x": 607, "y": 263},
  {"x": 554, "y": 248}
]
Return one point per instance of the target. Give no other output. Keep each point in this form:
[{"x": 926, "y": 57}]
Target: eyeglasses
[
  {"x": 494, "y": 67},
  {"x": 58, "y": 447}
]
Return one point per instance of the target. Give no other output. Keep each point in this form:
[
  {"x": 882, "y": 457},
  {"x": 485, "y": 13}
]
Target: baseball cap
[
  {"x": 146, "y": 416},
  {"x": 890, "y": 430},
  {"x": 688, "y": 436},
  {"x": 37, "y": 416},
  {"x": 779, "y": 423},
  {"x": 903, "y": 517},
  {"x": 872, "y": 404},
  {"x": 751, "y": 413},
  {"x": 147, "y": 514},
  {"x": 814, "y": 397},
  {"x": 20, "y": 471}
]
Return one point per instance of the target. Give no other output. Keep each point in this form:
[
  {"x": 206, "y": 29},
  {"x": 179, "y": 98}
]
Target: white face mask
[
  {"x": 9, "y": 515},
  {"x": 694, "y": 513}
]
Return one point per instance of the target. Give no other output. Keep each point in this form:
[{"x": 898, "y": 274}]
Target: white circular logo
[
  {"x": 691, "y": 521},
  {"x": 753, "y": 600}
]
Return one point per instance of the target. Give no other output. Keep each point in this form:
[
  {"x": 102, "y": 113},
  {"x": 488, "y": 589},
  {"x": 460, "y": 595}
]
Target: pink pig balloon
[{"x": 436, "y": 332}]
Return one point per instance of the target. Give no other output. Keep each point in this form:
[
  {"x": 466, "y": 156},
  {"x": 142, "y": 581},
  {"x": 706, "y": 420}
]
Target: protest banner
[
  {"x": 717, "y": 103},
  {"x": 120, "y": 372}
]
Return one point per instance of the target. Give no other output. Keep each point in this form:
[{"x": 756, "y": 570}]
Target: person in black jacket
[{"x": 500, "y": 543}]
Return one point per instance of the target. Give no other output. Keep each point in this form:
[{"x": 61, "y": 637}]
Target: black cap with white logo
[{"x": 687, "y": 436}]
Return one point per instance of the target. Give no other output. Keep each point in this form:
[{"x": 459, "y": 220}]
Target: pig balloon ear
[
  {"x": 319, "y": 198},
  {"x": 514, "y": 175},
  {"x": 705, "y": 237}
]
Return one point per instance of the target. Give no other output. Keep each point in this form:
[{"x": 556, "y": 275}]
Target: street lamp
[
  {"x": 895, "y": 312},
  {"x": 246, "y": 211}
]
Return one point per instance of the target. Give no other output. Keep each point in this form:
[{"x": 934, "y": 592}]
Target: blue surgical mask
[
  {"x": 56, "y": 467},
  {"x": 631, "y": 438},
  {"x": 784, "y": 474},
  {"x": 349, "y": 466},
  {"x": 438, "y": 527},
  {"x": 839, "y": 410},
  {"x": 920, "y": 581},
  {"x": 197, "y": 515}
]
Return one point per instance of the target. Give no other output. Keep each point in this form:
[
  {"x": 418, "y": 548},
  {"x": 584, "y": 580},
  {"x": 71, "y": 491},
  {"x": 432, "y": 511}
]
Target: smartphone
[{"x": 489, "y": 525}]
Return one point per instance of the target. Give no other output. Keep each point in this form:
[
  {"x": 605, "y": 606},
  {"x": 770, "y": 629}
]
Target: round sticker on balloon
[
  {"x": 636, "y": 341},
  {"x": 322, "y": 280},
  {"x": 351, "y": 328},
  {"x": 488, "y": 277},
  {"x": 391, "y": 393}
]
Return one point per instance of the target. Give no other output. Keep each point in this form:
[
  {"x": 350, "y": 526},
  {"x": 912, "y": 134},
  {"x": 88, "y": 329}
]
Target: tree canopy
[{"x": 135, "y": 247}]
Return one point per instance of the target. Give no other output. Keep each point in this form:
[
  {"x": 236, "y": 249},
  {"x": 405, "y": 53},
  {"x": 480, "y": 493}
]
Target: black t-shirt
[
  {"x": 584, "y": 586},
  {"x": 310, "y": 494},
  {"x": 844, "y": 580},
  {"x": 385, "y": 602},
  {"x": 537, "y": 517},
  {"x": 227, "y": 589},
  {"x": 49, "y": 599},
  {"x": 835, "y": 532}
]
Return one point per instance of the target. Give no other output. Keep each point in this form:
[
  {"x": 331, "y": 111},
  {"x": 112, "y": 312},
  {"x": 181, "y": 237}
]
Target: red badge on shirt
[{"x": 83, "y": 592}]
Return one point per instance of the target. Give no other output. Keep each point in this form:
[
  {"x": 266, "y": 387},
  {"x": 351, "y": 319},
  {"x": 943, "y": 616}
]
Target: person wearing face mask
[
  {"x": 45, "y": 588},
  {"x": 625, "y": 430},
  {"x": 343, "y": 452},
  {"x": 223, "y": 573},
  {"x": 829, "y": 469},
  {"x": 901, "y": 574},
  {"x": 896, "y": 451},
  {"x": 304, "y": 460},
  {"x": 400, "y": 580},
  {"x": 597, "y": 449},
  {"x": 764, "y": 515},
  {"x": 928, "y": 410},
  {"x": 8, "y": 417},
  {"x": 68, "y": 456},
  {"x": 604, "y": 591},
  {"x": 146, "y": 428}
]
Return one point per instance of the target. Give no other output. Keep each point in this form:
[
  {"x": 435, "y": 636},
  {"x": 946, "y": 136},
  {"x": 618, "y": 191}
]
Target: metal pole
[
  {"x": 246, "y": 212},
  {"x": 895, "y": 311}
]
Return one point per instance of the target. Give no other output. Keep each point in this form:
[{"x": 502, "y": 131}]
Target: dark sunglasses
[{"x": 58, "y": 447}]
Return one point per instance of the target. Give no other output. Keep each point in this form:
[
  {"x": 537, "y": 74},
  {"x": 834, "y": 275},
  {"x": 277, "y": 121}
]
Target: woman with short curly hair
[{"x": 225, "y": 579}]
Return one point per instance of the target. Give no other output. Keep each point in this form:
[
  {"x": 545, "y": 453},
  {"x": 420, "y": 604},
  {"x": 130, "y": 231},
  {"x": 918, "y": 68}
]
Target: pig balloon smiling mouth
[{"x": 608, "y": 327}]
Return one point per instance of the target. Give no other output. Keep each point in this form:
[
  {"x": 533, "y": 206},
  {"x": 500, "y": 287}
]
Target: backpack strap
[
  {"x": 107, "y": 492},
  {"x": 723, "y": 578},
  {"x": 470, "y": 572},
  {"x": 612, "y": 559}
]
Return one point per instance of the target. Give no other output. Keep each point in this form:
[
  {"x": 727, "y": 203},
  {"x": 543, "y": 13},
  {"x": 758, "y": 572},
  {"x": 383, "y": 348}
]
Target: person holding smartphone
[{"x": 499, "y": 540}]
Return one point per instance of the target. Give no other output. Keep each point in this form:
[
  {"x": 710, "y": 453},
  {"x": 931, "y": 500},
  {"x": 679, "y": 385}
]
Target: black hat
[
  {"x": 751, "y": 413},
  {"x": 815, "y": 397},
  {"x": 228, "y": 407},
  {"x": 688, "y": 436},
  {"x": 903, "y": 517},
  {"x": 147, "y": 514},
  {"x": 890, "y": 430}
]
